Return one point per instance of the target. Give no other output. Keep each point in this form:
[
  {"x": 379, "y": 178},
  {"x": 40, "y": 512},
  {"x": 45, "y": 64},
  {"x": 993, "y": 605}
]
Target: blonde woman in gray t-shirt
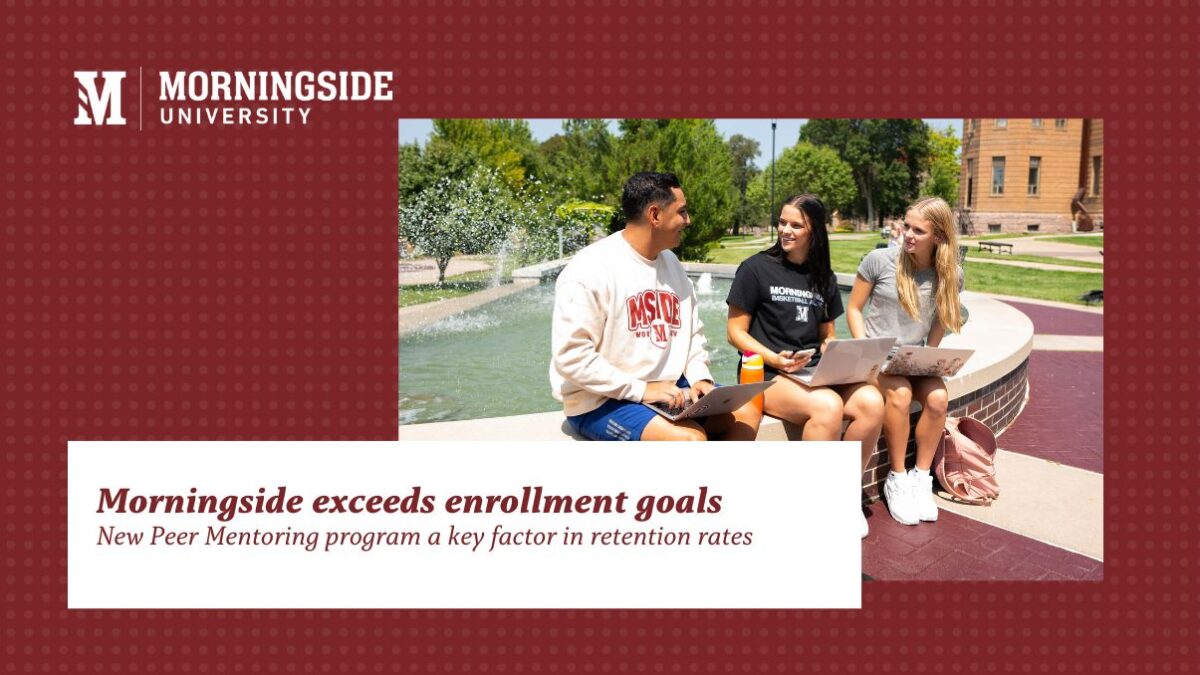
[{"x": 913, "y": 293}]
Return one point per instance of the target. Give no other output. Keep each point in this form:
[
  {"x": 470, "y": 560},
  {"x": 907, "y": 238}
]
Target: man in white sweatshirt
[{"x": 626, "y": 328}]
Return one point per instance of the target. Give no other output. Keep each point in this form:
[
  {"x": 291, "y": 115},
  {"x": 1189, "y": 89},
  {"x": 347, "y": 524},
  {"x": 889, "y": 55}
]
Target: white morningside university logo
[
  {"x": 99, "y": 107},
  {"x": 272, "y": 95}
]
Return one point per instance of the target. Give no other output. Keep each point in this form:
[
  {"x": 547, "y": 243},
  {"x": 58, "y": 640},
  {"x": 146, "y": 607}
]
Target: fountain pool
[{"x": 494, "y": 361}]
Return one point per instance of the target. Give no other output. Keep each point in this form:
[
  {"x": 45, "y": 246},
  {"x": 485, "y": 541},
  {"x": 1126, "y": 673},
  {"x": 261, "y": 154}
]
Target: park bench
[
  {"x": 1092, "y": 297},
  {"x": 995, "y": 247}
]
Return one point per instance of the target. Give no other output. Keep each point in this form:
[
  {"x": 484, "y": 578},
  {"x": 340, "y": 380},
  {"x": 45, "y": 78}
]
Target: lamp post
[{"x": 772, "y": 207}]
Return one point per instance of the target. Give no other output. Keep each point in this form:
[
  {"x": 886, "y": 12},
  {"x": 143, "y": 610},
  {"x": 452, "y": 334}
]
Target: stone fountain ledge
[
  {"x": 416, "y": 317},
  {"x": 992, "y": 386}
]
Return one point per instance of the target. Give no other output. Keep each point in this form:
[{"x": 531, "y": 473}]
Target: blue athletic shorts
[{"x": 616, "y": 420}]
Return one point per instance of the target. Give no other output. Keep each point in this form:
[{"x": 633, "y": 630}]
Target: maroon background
[{"x": 213, "y": 283}]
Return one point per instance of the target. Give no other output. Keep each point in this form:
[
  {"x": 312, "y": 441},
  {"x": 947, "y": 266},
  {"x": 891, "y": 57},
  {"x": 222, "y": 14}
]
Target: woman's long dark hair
[{"x": 820, "y": 270}]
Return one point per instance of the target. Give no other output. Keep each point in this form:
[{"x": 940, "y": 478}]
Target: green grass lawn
[
  {"x": 973, "y": 254},
  {"x": 421, "y": 293},
  {"x": 454, "y": 286},
  {"x": 1006, "y": 235},
  {"x": 1092, "y": 240},
  {"x": 845, "y": 256},
  {"x": 740, "y": 239},
  {"x": 743, "y": 241},
  {"x": 1028, "y": 283}
]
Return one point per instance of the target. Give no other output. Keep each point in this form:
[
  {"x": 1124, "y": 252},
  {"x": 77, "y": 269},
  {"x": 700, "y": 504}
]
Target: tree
[
  {"x": 507, "y": 146},
  {"x": 581, "y": 221},
  {"x": 693, "y": 150},
  {"x": 639, "y": 148},
  {"x": 696, "y": 152},
  {"x": 944, "y": 166},
  {"x": 421, "y": 168},
  {"x": 804, "y": 167},
  {"x": 872, "y": 147},
  {"x": 742, "y": 151},
  {"x": 410, "y": 174},
  {"x": 576, "y": 161},
  {"x": 467, "y": 215}
]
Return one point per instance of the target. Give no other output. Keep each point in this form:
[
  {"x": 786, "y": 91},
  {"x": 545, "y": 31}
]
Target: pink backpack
[{"x": 965, "y": 461}]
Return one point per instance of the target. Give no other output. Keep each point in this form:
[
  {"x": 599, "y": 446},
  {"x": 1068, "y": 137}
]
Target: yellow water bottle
[{"x": 752, "y": 371}]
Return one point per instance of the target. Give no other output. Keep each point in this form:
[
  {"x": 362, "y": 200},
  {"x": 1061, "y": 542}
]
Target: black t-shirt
[{"x": 786, "y": 310}]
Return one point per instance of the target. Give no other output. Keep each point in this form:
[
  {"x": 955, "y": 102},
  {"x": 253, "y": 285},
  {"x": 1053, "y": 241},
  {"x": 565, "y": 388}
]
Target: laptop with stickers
[
  {"x": 927, "y": 361},
  {"x": 846, "y": 362}
]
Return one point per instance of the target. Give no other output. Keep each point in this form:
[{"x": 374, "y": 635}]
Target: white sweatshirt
[{"x": 621, "y": 321}]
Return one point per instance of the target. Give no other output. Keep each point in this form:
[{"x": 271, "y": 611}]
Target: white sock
[
  {"x": 899, "y": 474},
  {"x": 921, "y": 472}
]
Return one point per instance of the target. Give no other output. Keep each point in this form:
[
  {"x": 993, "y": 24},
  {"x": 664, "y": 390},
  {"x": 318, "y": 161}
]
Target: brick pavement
[
  {"x": 1062, "y": 422},
  {"x": 956, "y": 548},
  {"x": 1064, "y": 419},
  {"x": 1056, "y": 321}
]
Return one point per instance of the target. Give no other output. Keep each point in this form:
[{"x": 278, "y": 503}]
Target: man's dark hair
[{"x": 644, "y": 189}]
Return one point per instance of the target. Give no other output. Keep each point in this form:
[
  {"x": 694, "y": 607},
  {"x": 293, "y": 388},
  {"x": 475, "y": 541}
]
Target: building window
[
  {"x": 1037, "y": 122},
  {"x": 997, "y": 175},
  {"x": 1035, "y": 167},
  {"x": 1060, "y": 124},
  {"x": 1001, "y": 124},
  {"x": 1032, "y": 227},
  {"x": 1097, "y": 163},
  {"x": 970, "y": 183},
  {"x": 994, "y": 228}
]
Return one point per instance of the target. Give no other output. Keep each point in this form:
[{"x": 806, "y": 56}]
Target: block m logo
[{"x": 93, "y": 105}]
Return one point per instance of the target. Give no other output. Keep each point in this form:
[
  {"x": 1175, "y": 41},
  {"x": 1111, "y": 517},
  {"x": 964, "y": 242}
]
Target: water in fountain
[
  {"x": 494, "y": 360},
  {"x": 704, "y": 285},
  {"x": 501, "y": 258}
]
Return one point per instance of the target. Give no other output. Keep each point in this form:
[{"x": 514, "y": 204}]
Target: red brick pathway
[
  {"x": 1058, "y": 321},
  {"x": 956, "y": 548},
  {"x": 1064, "y": 419},
  {"x": 1063, "y": 422}
]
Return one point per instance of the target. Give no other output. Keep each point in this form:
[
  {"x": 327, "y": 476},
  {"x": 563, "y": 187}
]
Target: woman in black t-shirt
[{"x": 783, "y": 302}]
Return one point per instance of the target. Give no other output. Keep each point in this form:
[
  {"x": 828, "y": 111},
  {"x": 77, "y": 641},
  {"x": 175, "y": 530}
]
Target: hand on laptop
[
  {"x": 700, "y": 389},
  {"x": 665, "y": 391}
]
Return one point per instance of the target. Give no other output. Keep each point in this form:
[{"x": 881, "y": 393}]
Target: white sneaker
[
  {"x": 922, "y": 494},
  {"x": 864, "y": 529},
  {"x": 897, "y": 491}
]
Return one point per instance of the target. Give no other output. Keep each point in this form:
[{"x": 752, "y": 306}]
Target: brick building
[{"x": 1024, "y": 175}]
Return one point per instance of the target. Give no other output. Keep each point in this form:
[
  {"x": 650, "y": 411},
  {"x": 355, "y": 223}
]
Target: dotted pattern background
[{"x": 194, "y": 283}]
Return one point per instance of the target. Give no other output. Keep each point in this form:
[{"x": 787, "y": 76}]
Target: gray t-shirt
[{"x": 884, "y": 314}]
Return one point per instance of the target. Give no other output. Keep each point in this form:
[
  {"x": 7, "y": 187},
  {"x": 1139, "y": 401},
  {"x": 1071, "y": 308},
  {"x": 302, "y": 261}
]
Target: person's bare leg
[
  {"x": 863, "y": 406},
  {"x": 897, "y": 398},
  {"x": 740, "y": 425},
  {"x": 663, "y": 429},
  {"x": 931, "y": 393},
  {"x": 819, "y": 409}
]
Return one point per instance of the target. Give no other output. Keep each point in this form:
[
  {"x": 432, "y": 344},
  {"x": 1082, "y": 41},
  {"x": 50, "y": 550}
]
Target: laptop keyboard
[{"x": 672, "y": 411}]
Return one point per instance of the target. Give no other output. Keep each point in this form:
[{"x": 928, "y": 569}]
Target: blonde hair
[{"x": 945, "y": 266}]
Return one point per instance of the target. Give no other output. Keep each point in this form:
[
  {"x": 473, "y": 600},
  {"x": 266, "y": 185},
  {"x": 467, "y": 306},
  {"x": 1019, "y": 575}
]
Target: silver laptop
[
  {"x": 718, "y": 401},
  {"x": 927, "y": 361},
  {"x": 846, "y": 362}
]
